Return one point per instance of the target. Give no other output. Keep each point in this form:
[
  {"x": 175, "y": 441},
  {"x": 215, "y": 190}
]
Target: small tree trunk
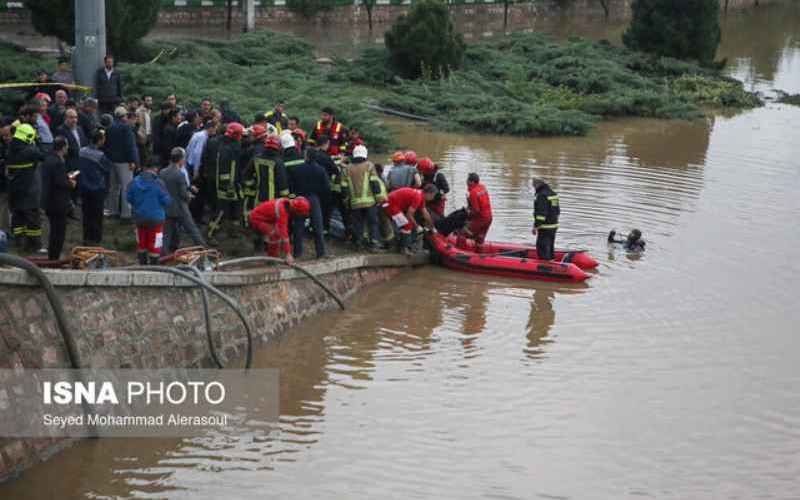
[
  {"x": 229, "y": 19},
  {"x": 505, "y": 14},
  {"x": 368, "y": 5},
  {"x": 604, "y": 4}
]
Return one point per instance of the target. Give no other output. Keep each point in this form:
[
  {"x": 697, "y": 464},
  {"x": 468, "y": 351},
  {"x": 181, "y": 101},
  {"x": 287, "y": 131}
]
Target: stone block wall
[{"x": 152, "y": 320}]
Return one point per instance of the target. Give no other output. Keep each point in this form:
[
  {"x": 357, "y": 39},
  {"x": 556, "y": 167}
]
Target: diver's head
[{"x": 634, "y": 236}]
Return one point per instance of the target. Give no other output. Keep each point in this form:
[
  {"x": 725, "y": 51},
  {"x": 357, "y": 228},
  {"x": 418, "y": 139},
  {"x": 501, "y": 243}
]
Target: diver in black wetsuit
[{"x": 633, "y": 243}]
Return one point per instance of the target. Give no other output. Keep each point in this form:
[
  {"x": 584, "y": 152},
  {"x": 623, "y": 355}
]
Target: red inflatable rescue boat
[{"x": 508, "y": 260}]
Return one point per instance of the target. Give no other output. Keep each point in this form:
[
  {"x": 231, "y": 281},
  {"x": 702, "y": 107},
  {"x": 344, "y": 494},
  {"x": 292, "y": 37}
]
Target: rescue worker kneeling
[
  {"x": 401, "y": 206},
  {"x": 274, "y": 218}
]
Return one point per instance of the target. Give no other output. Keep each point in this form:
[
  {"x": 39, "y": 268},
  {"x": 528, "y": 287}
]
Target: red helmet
[
  {"x": 411, "y": 157},
  {"x": 272, "y": 142},
  {"x": 398, "y": 157},
  {"x": 235, "y": 131},
  {"x": 425, "y": 166},
  {"x": 258, "y": 131},
  {"x": 300, "y": 206}
]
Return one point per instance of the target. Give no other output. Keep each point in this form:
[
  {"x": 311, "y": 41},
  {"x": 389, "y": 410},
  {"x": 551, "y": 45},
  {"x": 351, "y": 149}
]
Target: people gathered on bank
[{"x": 203, "y": 172}]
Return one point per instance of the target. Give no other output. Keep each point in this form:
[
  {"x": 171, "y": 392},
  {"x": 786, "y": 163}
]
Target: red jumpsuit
[
  {"x": 480, "y": 212},
  {"x": 273, "y": 220},
  {"x": 397, "y": 204}
]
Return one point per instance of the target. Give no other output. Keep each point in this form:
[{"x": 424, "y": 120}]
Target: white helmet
[
  {"x": 287, "y": 140},
  {"x": 360, "y": 151}
]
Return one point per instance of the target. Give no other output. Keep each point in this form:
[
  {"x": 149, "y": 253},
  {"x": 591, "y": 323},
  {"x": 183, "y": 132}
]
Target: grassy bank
[{"x": 524, "y": 84}]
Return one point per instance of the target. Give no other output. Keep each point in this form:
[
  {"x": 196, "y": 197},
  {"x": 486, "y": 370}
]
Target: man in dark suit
[
  {"x": 75, "y": 137},
  {"x": 56, "y": 188},
  {"x": 108, "y": 86}
]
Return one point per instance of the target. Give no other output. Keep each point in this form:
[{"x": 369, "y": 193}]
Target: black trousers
[
  {"x": 546, "y": 243},
  {"x": 26, "y": 225},
  {"x": 360, "y": 217},
  {"x": 92, "y": 210},
  {"x": 299, "y": 229},
  {"x": 55, "y": 238}
]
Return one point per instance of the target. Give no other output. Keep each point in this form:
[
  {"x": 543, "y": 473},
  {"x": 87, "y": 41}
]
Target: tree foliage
[
  {"x": 127, "y": 21},
  {"x": 685, "y": 29},
  {"x": 424, "y": 42},
  {"x": 310, "y": 8}
]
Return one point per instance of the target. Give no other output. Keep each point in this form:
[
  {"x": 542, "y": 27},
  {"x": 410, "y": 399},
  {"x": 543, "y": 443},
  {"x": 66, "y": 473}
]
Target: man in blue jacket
[
  {"x": 93, "y": 180},
  {"x": 123, "y": 153},
  {"x": 149, "y": 197}
]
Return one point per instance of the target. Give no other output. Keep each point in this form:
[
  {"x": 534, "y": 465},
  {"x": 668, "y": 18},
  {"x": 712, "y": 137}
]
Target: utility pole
[
  {"x": 90, "y": 39},
  {"x": 249, "y": 7}
]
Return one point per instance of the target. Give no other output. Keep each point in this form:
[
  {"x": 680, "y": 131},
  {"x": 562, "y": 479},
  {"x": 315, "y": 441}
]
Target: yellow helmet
[{"x": 25, "y": 133}]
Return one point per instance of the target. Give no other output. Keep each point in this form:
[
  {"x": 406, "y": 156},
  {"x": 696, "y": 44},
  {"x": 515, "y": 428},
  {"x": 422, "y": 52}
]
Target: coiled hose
[
  {"x": 225, "y": 298},
  {"x": 55, "y": 302},
  {"x": 275, "y": 260}
]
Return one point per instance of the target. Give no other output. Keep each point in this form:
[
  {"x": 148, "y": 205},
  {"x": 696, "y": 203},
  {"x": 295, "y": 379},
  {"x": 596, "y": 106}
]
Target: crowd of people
[{"x": 183, "y": 169}]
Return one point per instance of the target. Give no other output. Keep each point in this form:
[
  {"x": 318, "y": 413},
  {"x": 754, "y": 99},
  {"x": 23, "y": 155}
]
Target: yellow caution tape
[{"x": 68, "y": 86}]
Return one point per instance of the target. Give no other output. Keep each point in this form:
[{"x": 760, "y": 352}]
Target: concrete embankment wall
[
  {"x": 274, "y": 12},
  {"x": 152, "y": 320}
]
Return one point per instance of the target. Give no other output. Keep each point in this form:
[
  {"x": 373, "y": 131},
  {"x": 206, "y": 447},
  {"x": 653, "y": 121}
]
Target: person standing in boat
[
  {"x": 545, "y": 219},
  {"x": 480, "y": 209}
]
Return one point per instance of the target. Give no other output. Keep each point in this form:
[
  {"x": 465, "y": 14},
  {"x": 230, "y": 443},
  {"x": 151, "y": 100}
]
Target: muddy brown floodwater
[{"x": 670, "y": 375}]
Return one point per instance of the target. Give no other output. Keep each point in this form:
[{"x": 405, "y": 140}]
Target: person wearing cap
[
  {"x": 274, "y": 220},
  {"x": 277, "y": 117},
  {"x": 177, "y": 215},
  {"x": 363, "y": 188},
  {"x": 108, "y": 85},
  {"x": 24, "y": 187},
  {"x": 226, "y": 171},
  {"x": 334, "y": 130},
  {"x": 122, "y": 151},
  {"x": 291, "y": 157},
  {"x": 45, "y": 136},
  {"x": 312, "y": 182},
  {"x": 404, "y": 174},
  {"x": 149, "y": 198},
  {"x": 264, "y": 176}
]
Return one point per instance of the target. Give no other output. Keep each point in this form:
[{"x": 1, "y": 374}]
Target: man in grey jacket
[{"x": 178, "y": 215}]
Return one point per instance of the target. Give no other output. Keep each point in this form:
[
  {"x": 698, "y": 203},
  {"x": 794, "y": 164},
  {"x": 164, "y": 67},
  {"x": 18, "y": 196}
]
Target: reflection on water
[{"x": 670, "y": 375}]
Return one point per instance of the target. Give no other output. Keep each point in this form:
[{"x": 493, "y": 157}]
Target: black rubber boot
[
  {"x": 141, "y": 257},
  {"x": 152, "y": 260}
]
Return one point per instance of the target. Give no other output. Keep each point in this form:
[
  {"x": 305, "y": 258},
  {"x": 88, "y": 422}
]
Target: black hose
[
  {"x": 275, "y": 260},
  {"x": 206, "y": 315},
  {"x": 225, "y": 298},
  {"x": 55, "y": 302}
]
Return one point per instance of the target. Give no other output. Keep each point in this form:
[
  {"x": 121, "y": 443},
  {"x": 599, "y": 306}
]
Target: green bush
[
  {"x": 685, "y": 29},
  {"x": 424, "y": 42}
]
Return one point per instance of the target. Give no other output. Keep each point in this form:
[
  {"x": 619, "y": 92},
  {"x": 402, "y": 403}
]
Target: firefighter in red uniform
[
  {"x": 335, "y": 131},
  {"x": 402, "y": 206},
  {"x": 431, "y": 175},
  {"x": 480, "y": 209},
  {"x": 273, "y": 219}
]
